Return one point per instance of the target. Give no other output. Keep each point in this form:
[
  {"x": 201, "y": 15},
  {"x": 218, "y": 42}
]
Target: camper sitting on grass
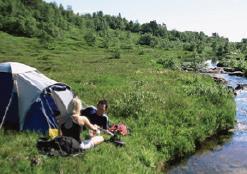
[
  {"x": 97, "y": 115},
  {"x": 72, "y": 128}
]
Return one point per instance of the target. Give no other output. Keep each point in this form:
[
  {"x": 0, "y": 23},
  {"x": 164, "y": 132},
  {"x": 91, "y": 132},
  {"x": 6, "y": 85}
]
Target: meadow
[{"x": 170, "y": 111}]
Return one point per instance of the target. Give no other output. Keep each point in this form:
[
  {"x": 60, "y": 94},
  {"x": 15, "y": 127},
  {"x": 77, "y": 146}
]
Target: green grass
[{"x": 168, "y": 111}]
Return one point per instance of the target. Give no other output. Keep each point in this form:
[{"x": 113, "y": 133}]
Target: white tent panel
[
  {"x": 15, "y": 67},
  {"x": 37, "y": 79},
  {"x": 63, "y": 101},
  {"x": 29, "y": 86}
]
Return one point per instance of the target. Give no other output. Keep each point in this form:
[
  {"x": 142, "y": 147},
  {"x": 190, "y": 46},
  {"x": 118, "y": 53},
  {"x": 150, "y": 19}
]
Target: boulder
[
  {"x": 236, "y": 73},
  {"x": 241, "y": 87},
  {"x": 220, "y": 64},
  {"x": 216, "y": 70},
  {"x": 229, "y": 69},
  {"x": 219, "y": 80}
]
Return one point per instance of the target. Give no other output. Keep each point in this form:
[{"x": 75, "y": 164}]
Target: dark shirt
[
  {"x": 74, "y": 131},
  {"x": 90, "y": 113}
]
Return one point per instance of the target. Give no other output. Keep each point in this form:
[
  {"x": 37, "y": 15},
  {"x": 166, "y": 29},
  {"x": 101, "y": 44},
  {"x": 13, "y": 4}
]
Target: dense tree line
[
  {"x": 35, "y": 18},
  {"x": 32, "y": 18}
]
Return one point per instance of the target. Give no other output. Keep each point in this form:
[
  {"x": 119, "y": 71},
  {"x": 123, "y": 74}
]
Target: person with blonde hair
[{"x": 73, "y": 127}]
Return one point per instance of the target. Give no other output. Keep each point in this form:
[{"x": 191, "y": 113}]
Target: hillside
[{"x": 170, "y": 111}]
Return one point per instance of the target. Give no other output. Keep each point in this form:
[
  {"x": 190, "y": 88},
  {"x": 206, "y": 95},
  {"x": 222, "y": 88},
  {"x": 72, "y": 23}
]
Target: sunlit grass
[{"x": 168, "y": 111}]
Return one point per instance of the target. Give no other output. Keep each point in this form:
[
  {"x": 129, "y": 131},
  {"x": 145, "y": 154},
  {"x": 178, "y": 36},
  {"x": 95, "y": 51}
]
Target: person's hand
[
  {"x": 94, "y": 131},
  {"x": 96, "y": 127},
  {"x": 97, "y": 132}
]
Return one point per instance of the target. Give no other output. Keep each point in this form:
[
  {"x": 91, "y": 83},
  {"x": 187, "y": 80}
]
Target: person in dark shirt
[{"x": 97, "y": 115}]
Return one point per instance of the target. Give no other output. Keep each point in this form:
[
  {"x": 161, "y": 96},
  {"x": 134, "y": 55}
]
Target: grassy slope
[{"x": 169, "y": 111}]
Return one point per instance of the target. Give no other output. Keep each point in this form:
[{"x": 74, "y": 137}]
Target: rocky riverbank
[{"x": 218, "y": 69}]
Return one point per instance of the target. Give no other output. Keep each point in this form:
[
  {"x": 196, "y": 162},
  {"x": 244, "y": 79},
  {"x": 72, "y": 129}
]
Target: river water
[{"x": 226, "y": 154}]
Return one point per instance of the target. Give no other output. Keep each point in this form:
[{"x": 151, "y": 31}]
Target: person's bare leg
[{"x": 97, "y": 140}]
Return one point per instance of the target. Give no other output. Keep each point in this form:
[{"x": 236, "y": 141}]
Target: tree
[
  {"x": 220, "y": 51},
  {"x": 174, "y": 35},
  {"x": 200, "y": 47},
  {"x": 190, "y": 46},
  {"x": 100, "y": 24},
  {"x": 133, "y": 26},
  {"x": 215, "y": 35},
  {"x": 146, "y": 28},
  {"x": 244, "y": 40},
  {"x": 32, "y": 3},
  {"x": 148, "y": 39}
]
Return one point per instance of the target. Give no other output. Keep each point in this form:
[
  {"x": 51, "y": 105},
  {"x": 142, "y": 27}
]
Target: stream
[{"x": 225, "y": 154}]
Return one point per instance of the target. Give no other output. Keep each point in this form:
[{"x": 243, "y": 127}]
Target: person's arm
[{"x": 83, "y": 121}]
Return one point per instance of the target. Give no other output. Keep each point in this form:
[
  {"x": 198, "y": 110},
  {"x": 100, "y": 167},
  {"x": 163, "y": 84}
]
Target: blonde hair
[{"x": 76, "y": 104}]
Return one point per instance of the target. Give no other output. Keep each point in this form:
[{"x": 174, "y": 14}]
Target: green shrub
[
  {"x": 141, "y": 52},
  {"x": 116, "y": 53},
  {"x": 170, "y": 63},
  {"x": 130, "y": 104},
  {"x": 148, "y": 39},
  {"x": 90, "y": 38},
  {"x": 189, "y": 46},
  {"x": 105, "y": 43}
]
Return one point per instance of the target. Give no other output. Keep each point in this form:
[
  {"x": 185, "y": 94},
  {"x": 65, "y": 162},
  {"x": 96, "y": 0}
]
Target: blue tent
[{"x": 29, "y": 99}]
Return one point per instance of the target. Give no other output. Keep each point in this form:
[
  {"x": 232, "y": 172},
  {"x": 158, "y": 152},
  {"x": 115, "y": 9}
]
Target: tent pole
[{"x": 6, "y": 110}]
